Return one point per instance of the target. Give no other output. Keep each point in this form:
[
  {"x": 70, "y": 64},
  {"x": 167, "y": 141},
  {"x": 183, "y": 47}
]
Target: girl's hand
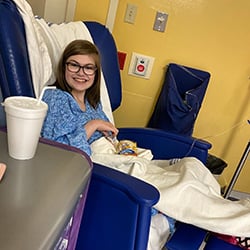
[{"x": 100, "y": 125}]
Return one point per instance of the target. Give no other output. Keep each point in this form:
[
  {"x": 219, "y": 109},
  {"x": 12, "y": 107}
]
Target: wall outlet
[{"x": 130, "y": 13}]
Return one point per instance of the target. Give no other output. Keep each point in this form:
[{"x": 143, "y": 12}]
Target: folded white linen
[
  {"x": 40, "y": 62},
  {"x": 188, "y": 191}
]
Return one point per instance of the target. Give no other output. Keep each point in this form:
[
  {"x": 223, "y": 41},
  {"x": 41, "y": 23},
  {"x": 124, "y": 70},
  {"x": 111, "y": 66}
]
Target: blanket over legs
[{"x": 188, "y": 191}]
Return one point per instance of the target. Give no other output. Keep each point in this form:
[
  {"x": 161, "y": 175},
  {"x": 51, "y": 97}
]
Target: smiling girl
[{"x": 75, "y": 116}]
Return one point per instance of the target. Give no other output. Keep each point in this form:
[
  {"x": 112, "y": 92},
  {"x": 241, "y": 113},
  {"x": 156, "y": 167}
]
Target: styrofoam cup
[{"x": 24, "y": 118}]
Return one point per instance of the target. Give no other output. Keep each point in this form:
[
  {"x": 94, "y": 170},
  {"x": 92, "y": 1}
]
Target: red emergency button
[{"x": 140, "y": 67}]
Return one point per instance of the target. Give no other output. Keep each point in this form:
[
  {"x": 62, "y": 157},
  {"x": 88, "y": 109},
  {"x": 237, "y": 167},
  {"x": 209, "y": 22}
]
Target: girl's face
[{"x": 80, "y": 72}]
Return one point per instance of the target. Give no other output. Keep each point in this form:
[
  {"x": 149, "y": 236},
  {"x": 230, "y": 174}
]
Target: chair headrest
[
  {"x": 15, "y": 74},
  {"x": 104, "y": 40}
]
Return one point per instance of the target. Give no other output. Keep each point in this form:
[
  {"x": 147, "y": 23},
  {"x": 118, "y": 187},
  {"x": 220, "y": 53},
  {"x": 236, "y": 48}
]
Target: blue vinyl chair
[{"x": 180, "y": 99}]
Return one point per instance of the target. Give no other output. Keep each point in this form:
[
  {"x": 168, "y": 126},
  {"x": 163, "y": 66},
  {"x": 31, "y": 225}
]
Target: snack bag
[{"x": 126, "y": 147}]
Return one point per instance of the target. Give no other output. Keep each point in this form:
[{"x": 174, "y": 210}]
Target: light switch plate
[{"x": 160, "y": 21}]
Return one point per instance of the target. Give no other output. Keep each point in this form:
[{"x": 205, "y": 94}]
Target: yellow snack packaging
[{"x": 126, "y": 147}]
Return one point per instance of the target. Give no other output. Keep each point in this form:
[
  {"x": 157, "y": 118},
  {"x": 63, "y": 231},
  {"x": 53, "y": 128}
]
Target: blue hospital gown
[{"x": 65, "y": 120}]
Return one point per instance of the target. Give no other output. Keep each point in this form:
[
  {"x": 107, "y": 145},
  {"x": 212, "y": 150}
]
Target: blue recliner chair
[
  {"x": 180, "y": 99},
  {"x": 117, "y": 211}
]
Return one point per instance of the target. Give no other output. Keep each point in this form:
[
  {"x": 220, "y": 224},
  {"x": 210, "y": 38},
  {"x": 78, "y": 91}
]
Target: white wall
[
  {"x": 37, "y": 7},
  {"x": 55, "y": 11}
]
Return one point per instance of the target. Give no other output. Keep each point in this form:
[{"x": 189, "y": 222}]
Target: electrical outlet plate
[
  {"x": 130, "y": 13},
  {"x": 141, "y": 65},
  {"x": 160, "y": 21}
]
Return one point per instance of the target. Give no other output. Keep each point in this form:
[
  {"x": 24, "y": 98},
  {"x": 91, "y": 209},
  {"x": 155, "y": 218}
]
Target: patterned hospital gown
[{"x": 65, "y": 120}]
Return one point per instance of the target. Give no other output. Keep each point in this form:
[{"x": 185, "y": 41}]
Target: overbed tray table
[{"x": 39, "y": 196}]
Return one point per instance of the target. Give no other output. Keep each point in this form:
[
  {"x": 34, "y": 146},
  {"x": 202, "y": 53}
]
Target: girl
[{"x": 75, "y": 116}]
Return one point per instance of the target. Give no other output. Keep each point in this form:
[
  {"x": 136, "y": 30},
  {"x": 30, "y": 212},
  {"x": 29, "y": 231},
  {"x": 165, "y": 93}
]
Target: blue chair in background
[{"x": 180, "y": 99}]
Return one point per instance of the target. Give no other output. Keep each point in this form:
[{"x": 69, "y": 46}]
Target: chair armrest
[
  {"x": 117, "y": 212},
  {"x": 166, "y": 145}
]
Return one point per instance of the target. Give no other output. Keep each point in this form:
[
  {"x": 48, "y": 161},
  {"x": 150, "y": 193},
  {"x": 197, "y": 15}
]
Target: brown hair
[{"x": 80, "y": 47}]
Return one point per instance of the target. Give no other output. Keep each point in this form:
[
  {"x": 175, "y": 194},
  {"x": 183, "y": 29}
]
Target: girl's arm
[{"x": 102, "y": 126}]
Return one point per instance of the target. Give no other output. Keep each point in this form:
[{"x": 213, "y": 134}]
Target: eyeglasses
[{"x": 88, "y": 69}]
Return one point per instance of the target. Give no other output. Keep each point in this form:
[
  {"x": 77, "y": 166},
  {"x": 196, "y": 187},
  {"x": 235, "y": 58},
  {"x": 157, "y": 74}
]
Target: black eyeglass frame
[{"x": 84, "y": 67}]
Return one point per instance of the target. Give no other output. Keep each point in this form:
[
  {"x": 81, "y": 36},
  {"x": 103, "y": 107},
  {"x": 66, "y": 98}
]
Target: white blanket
[
  {"x": 46, "y": 43},
  {"x": 188, "y": 191}
]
